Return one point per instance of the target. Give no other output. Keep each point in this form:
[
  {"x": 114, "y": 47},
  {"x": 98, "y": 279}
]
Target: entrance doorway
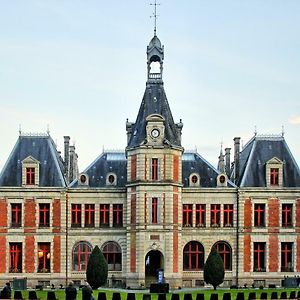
[{"x": 154, "y": 261}]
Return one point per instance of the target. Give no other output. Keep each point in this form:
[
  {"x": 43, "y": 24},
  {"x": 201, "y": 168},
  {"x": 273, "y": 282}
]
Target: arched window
[
  {"x": 113, "y": 255},
  {"x": 226, "y": 253},
  {"x": 193, "y": 256},
  {"x": 81, "y": 254}
]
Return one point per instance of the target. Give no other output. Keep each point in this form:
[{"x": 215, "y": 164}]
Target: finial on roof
[
  {"x": 282, "y": 131},
  {"x": 20, "y": 130},
  {"x": 154, "y": 15},
  {"x": 48, "y": 129},
  {"x": 255, "y": 130}
]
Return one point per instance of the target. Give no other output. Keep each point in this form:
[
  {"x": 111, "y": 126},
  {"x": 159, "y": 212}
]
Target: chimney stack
[
  {"x": 236, "y": 159},
  {"x": 227, "y": 162},
  {"x": 66, "y": 156}
]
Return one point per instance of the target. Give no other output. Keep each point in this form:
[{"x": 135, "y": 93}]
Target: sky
[{"x": 78, "y": 68}]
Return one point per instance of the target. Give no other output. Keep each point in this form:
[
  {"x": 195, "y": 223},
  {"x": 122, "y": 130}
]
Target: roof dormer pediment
[
  {"x": 155, "y": 118},
  {"x": 275, "y": 160},
  {"x": 30, "y": 160}
]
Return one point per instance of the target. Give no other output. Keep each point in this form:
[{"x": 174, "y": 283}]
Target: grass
[{"x": 60, "y": 294}]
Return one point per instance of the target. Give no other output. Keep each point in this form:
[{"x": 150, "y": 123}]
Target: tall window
[
  {"x": 15, "y": 261},
  {"x": 193, "y": 256},
  {"x": 76, "y": 215},
  {"x": 215, "y": 213},
  {"x": 228, "y": 215},
  {"x": 200, "y": 215},
  {"x": 274, "y": 176},
  {"x": 117, "y": 215},
  {"x": 154, "y": 215},
  {"x": 287, "y": 257},
  {"x": 44, "y": 257},
  {"x": 30, "y": 176},
  {"x": 287, "y": 215},
  {"x": 187, "y": 215},
  {"x": 226, "y": 254},
  {"x": 81, "y": 253},
  {"x": 154, "y": 168},
  {"x": 259, "y": 260},
  {"x": 89, "y": 215},
  {"x": 113, "y": 255},
  {"x": 259, "y": 215},
  {"x": 104, "y": 215},
  {"x": 44, "y": 213},
  {"x": 16, "y": 215}
]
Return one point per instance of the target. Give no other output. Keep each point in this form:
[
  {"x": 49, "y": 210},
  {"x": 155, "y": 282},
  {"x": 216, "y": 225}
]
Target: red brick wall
[
  {"x": 3, "y": 216},
  {"x": 2, "y": 254},
  {"x": 29, "y": 215},
  {"x": 175, "y": 230},
  {"x": 29, "y": 254},
  {"x": 247, "y": 253},
  {"x": 133, "y": 232},
  {"x": 56, "y": 215},
  {"x": 273, "y": 253},
  {"x": 56, "y": 254},
  {"x": 298, "y": 255},
  {"x": 298, "y": 213},
  {"x": 133, "y": 168},
  {"x": 175, "y": 168},
  {"x": 273, "y": 205},
  {"x": 247, "y": 215}
]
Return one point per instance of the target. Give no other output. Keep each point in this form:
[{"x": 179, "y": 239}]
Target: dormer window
[
  {"x": 30, "y": 176},
  {"x": 83, "y": 179},
  {"x": 222, "y": 180},
  {"x": 194, "y": 179},
  {"x": 30, "y": 172},
  {"x": 274, "y": 176},
  {"x": 274, "y": 172},
  {"x": 111, "y": 179}
]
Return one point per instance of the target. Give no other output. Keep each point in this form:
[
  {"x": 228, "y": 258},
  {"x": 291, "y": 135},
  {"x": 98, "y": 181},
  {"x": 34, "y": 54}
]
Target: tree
[
  {"x": 96, "y": 271},
  {"x": 214, "y": 268}
]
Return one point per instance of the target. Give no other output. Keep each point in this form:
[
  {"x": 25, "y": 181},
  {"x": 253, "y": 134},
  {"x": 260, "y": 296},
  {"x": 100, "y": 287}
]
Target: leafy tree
[
  {"x": 214, "y": 268},
  {"x": 96, "y": 271}
]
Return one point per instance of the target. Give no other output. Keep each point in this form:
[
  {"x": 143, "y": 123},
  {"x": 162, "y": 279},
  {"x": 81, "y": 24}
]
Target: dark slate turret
[
  {"x": 255, "y": 156},
  {"x": 41, "y": 149},
  {"x": 154, "y": 102}
]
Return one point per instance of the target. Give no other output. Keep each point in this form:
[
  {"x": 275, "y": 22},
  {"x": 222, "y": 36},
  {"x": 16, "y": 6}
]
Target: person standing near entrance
[{"x": 87, "y": 292}]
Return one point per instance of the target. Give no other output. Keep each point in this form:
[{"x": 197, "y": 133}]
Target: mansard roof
[
  {"x": 108, "y": 162},
  {"x": 40, "y": 148},
  {"x": 257, "y": 152},
  {"x": 193, "y": 162},
  {"x": 154, "y": 102}
]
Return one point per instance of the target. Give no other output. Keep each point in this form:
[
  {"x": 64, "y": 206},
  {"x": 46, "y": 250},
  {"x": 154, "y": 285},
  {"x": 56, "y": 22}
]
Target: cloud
[{"x": 294, "y": 120}]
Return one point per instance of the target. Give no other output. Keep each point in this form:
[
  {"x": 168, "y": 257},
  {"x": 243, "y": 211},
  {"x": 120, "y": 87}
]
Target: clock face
[{"x": 155, "y": 133}]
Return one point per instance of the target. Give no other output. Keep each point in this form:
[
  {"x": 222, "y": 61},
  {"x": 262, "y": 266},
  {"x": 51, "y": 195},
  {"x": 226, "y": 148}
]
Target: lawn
[{"x": 60, "y": 294}]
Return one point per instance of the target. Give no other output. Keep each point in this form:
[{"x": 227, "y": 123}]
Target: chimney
[
  {"x": 236, "y": 159},
  {"x": 227, "y": 161},
  {"x": 67, "y": 155},
  {"x": 73, "y": 171}
]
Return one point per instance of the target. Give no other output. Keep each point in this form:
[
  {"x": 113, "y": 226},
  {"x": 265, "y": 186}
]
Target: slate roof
[
  {"x": 154, "y": 102},
  {"x": 42, "y": 149},
  {"x": 193, "y": 162},
  {"x": 257, "y": 152},
  {"x": 107, "y": 162}
]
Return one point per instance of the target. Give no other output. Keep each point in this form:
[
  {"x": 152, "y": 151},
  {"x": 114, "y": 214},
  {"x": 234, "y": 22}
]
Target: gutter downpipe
[
  {"x": 237, "y": 236},
  {"x": 67, "y": 235}
]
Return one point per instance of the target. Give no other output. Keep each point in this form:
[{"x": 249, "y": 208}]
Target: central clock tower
[{"x": 154, "y": 183}]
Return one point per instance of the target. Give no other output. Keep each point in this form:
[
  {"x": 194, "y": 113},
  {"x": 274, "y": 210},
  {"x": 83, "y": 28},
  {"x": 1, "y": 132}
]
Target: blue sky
[{"x": 80, "y": 67}]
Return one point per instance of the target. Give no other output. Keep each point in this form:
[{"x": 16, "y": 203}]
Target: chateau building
[{"x": 152, "y": 206}]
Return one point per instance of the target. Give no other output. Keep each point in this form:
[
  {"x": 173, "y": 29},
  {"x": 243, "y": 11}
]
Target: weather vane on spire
[{"x": 154, "y": 15}]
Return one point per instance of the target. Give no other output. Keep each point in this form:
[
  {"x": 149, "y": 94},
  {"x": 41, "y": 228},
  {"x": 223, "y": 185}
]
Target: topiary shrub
[
  {"x": 96, "y": 271},
  {"x": 214, "y": 269}
]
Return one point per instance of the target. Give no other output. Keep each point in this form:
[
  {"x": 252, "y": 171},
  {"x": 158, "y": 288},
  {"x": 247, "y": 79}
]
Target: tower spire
[{"x": 155, "y": 4}]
